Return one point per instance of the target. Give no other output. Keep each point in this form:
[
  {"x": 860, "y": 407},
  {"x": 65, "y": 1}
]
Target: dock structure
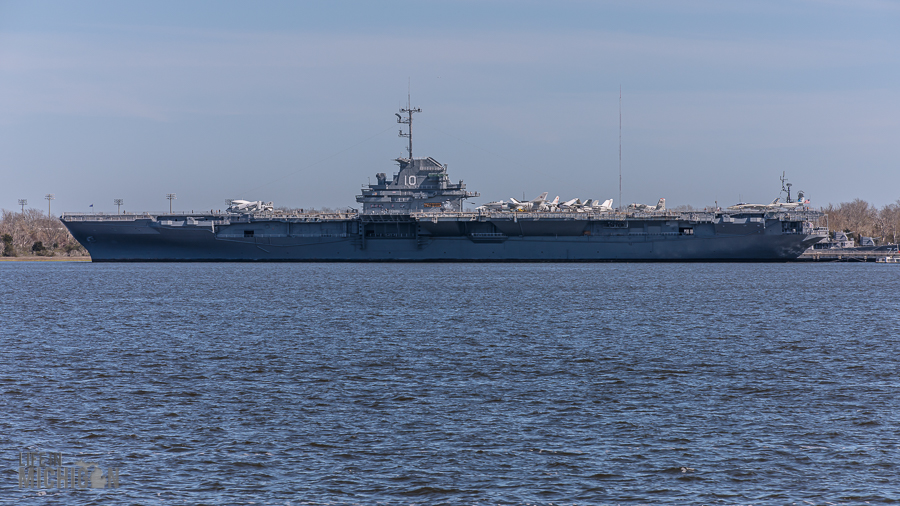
[{"x": 844, "y": 255}]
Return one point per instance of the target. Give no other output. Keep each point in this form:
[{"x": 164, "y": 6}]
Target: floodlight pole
[
  {"x": 171, "y": 197},
  {"x": 49, "y": 197},
  {"x": 118, "y": 203},
  {"x": 23, "y": 203}
]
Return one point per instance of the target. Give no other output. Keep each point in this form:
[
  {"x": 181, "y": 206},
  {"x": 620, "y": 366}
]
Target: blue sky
[{"x": 293, "y": 102}]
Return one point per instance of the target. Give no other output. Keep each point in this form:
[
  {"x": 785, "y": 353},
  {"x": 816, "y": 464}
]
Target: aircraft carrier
[{"x": 418, "y": 215}]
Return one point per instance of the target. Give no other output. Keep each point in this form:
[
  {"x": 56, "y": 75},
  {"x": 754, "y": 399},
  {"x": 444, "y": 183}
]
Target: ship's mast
[
  {"x": 407, "y": 121},
  {"x": 785, "y": 186}
]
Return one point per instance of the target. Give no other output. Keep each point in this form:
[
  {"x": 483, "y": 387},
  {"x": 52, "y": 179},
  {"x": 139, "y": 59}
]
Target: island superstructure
[
  {"x": 421, "y": 184},
  {"x": 418, "y": 215}
]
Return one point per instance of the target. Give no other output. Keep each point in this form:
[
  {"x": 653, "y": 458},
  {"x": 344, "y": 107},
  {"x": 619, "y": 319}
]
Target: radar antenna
[
  {"x": 786, "y": 187},
  {"x": 407, "y": 121}
]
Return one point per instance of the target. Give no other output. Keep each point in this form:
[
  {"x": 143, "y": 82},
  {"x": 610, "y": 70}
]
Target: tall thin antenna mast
[
  {"x": 620, "y": 146},
  {"x": 407, "y": 121},
  {"x": 785, "y": 186}
]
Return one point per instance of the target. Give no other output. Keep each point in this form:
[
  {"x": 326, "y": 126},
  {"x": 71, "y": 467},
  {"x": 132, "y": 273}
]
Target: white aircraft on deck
[
  {"x": 571, "y": 205},
  {"x": 543, "y": 205},
  {"x": 531, "y": 205},
  {"x": 493, "y": 206},
  {"x": 248, "y": 206},
  {"x": 660, "y": 206},
  {"x": 753, "y": 207},
  {"x": 577, "y": 205},
  {"x": 792, "y": 204},
  {"x": 553, "y": 205},
  {"x": 774, "y": 206}
]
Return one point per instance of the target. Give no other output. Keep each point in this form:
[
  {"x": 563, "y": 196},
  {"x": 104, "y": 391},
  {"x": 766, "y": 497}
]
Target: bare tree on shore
[
  {"x": 33, "y": 232},
  {"x": 859, "y": 218}
]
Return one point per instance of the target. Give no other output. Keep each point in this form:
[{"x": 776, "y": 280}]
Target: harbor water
[{"x": 281, "y": 384}]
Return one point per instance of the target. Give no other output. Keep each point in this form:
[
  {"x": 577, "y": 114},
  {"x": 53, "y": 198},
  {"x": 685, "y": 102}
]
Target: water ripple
[{"x": 502, "y": 384}]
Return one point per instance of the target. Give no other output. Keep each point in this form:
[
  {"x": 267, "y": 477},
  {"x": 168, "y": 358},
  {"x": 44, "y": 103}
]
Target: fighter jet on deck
[
  {"x": 531, "y": 205},
  {"x": 494, "y": 206}
]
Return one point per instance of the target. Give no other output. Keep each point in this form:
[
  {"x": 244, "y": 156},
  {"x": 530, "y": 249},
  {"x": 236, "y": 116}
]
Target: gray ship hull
[
  {"x": 416, "y": 215},
  {"x": 448, "y": 237}
]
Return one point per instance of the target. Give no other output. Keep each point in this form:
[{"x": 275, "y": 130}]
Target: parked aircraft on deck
[
  {"x": 247, "y": 206},
  {"x": 531, "y": 205},
  {"x": 776, "y": 205},
  {"x": 660, "y": 206},
  {"x": 494, "y": 206},
  {"x": 540, "y": 204}
]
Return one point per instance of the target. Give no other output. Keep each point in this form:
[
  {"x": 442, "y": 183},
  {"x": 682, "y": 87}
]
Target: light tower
[
  {"x": 171, "y": 197},
  {"x": 118, "y": 203},
  {"x": 49, "y": 197},
  {"x": 23, "y": 203}
]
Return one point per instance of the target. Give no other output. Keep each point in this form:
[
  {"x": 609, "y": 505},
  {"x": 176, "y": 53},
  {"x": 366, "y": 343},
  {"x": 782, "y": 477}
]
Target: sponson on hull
[{"x": 418, "y": 215}]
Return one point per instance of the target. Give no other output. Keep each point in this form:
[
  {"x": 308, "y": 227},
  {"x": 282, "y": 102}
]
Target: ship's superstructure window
[{"x": 248, "y": 233}]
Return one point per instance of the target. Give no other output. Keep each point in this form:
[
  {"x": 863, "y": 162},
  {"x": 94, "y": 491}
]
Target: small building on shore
[{"x": 838, "y": 240}]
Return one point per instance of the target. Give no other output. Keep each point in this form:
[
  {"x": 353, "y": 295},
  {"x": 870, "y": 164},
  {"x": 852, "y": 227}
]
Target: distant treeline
[
  {"x": 33, "y": 233},
  {"x": 859, "y": 218}
]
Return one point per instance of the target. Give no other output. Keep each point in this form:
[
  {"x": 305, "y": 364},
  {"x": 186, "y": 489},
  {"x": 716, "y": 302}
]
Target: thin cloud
[
  {"x": 857, "y": 5},
  {"x": 72, "y": 74}
]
